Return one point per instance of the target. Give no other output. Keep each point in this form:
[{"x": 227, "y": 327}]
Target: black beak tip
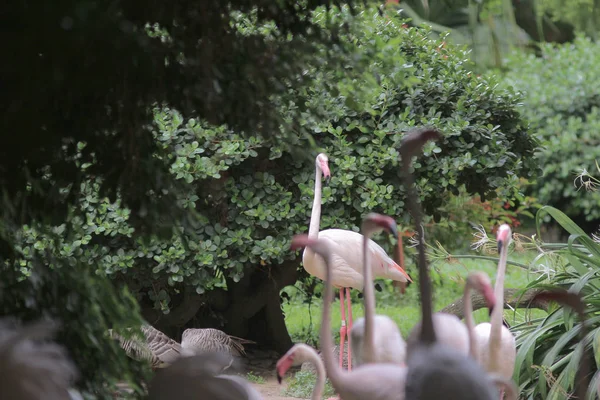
[
  {"x": 499, "y": 246},
  {"x": 327, "y": 179},
  {"x": 394, "y": 232},
  {"x": 408, "y": 283},
  {"x": 279, "y": 379}
]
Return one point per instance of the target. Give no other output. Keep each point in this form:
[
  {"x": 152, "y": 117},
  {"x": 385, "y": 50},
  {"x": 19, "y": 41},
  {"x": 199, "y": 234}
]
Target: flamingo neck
[
  {"x": 498, "y": 311},
  {"x": 314, "y": 358},
  {"x": 315, "y": 214},
  {"x": 469, "y": 320},
  {"x": 369, "y": 300},
  {"x": 334, "y": 371}
]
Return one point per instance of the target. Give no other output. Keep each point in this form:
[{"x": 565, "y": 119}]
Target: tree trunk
[{"x": 512, "y": 299}]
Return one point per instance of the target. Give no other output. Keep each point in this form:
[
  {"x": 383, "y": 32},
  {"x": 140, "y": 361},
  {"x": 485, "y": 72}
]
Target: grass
[
  {"x": 302, "y": 383},
  {"x": 304, "y": 320},
  {"x": 251, "y": 377}
]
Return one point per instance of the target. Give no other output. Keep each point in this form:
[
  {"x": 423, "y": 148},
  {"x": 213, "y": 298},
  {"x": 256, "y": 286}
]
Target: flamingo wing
[{"x": 349, "y": 244}]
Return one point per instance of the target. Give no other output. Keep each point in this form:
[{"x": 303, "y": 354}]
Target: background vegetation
[{"x": 175, "y": 203}]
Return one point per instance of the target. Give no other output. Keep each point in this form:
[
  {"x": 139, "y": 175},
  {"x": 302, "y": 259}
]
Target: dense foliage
[
  {"x": 583, "y": 14},
  {"x": 80, "y": 71},
  {"x": 251, "y": 196},
  {"x": 562, "y": 104},
  {"x": 548, "y": 355}
]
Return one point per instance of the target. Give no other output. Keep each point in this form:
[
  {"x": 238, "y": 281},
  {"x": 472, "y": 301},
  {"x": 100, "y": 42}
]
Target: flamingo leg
[
  {"x": 349, "y": 300},
  {"x": 501, "y": 394},
  {"x": 343, "y": 329}
]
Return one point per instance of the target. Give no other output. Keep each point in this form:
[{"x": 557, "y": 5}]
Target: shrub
[{"x": 562, "y": 103}]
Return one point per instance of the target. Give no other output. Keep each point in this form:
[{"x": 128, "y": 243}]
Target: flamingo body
[
  {"x": 449, "y": 330},
  {"x": 504, "y": 361},
  {"x": 347, "y": 256},
  {"x": 389, "y": 345}
]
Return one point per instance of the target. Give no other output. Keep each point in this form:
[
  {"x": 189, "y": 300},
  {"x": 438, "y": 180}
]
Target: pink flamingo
[
  {"x": 496, "y": 345},
  {"x": 376, "y": 338},
  {"x": 346, "y": 260},
  {"x": 369, "y": 381}
]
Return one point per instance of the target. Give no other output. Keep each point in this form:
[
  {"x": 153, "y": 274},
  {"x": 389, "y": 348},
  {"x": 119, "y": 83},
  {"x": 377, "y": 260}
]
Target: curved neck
[
  {"x": 428, "y": 335},
  {"x": 498, "y": 311},
  {"x": 314, "y": 358},
  {"x": 334, "y": 371},
  {"x": 469, "y": 321},
  {"x": 369, "y": 299},
  {"x": 315, "y": 214}
]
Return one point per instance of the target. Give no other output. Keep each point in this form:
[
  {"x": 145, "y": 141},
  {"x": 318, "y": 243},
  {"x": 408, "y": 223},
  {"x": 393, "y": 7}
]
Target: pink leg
[
  {"x": 349, "y": 300},
  {"x": 501, "y": 394},
  {"x": 343, "y": 329}
]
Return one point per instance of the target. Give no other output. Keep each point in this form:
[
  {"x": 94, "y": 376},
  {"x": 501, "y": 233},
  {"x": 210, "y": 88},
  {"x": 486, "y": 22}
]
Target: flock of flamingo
[{"x": 442, "y": 358}]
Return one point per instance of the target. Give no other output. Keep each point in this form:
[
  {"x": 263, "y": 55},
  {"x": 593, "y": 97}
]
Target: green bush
[
  {"x": 562, "y": 102},
  {"x": 257, "y": 195}
]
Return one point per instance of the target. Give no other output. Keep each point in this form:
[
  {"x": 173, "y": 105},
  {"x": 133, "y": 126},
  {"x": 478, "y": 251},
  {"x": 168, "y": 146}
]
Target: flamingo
[
  {"x": 347, "y": 256},
  {"x": 369, "y": 381},
  {"x": 480, "y": 281},
  {"x": 297, "y": 355},
  {"x": 435, "y": 370},
  {"x": 376, "y": 338},
  {"x": 449, "y": 330},
  {"x": 496, "y": 345}
]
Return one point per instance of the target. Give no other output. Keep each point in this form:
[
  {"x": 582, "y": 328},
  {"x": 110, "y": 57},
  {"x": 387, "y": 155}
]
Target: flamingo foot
[{"x": 501, "y": 394}]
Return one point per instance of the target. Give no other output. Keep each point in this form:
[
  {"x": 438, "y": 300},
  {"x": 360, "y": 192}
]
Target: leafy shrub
[
  {"x": 548, "y": 355},
  {"x": 562, "y": 103},
  {"x": 256, "y": 195}
]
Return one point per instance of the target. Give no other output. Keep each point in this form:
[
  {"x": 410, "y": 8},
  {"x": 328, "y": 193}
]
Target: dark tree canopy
[{"x": 83, "y": 71}]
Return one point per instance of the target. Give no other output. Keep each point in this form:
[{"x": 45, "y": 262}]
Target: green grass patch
[
  {"x": 302, "y": 383},
  {"x": 252, "y": 377},
  {"x": 304, "y": 320}
]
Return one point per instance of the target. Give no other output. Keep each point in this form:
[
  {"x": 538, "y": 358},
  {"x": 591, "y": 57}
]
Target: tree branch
[{"x": 512, "y": 299}]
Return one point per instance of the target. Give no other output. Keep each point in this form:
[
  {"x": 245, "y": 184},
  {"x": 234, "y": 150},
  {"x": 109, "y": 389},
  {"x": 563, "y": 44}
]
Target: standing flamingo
[
  {"x": 435, "y": 371},
  {"x": 376, "y": 338},
  {"x": 297, "y": 355},
  {"x": 496, "y": 345},
  {"x": 369, "y": 381},
  {"x": 346, "y": 260}
]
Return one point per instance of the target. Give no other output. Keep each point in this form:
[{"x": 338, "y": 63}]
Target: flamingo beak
[{"x": 326, "y": 172}]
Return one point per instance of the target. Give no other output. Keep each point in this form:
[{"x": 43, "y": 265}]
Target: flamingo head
[
  {"x": 297, "y": 355},
  {"x": 322, "y": 163},
  {"x": 480, "y": 281},
  {"x": 503, "y": 236},
  {"x": 374, "y": 221}
]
